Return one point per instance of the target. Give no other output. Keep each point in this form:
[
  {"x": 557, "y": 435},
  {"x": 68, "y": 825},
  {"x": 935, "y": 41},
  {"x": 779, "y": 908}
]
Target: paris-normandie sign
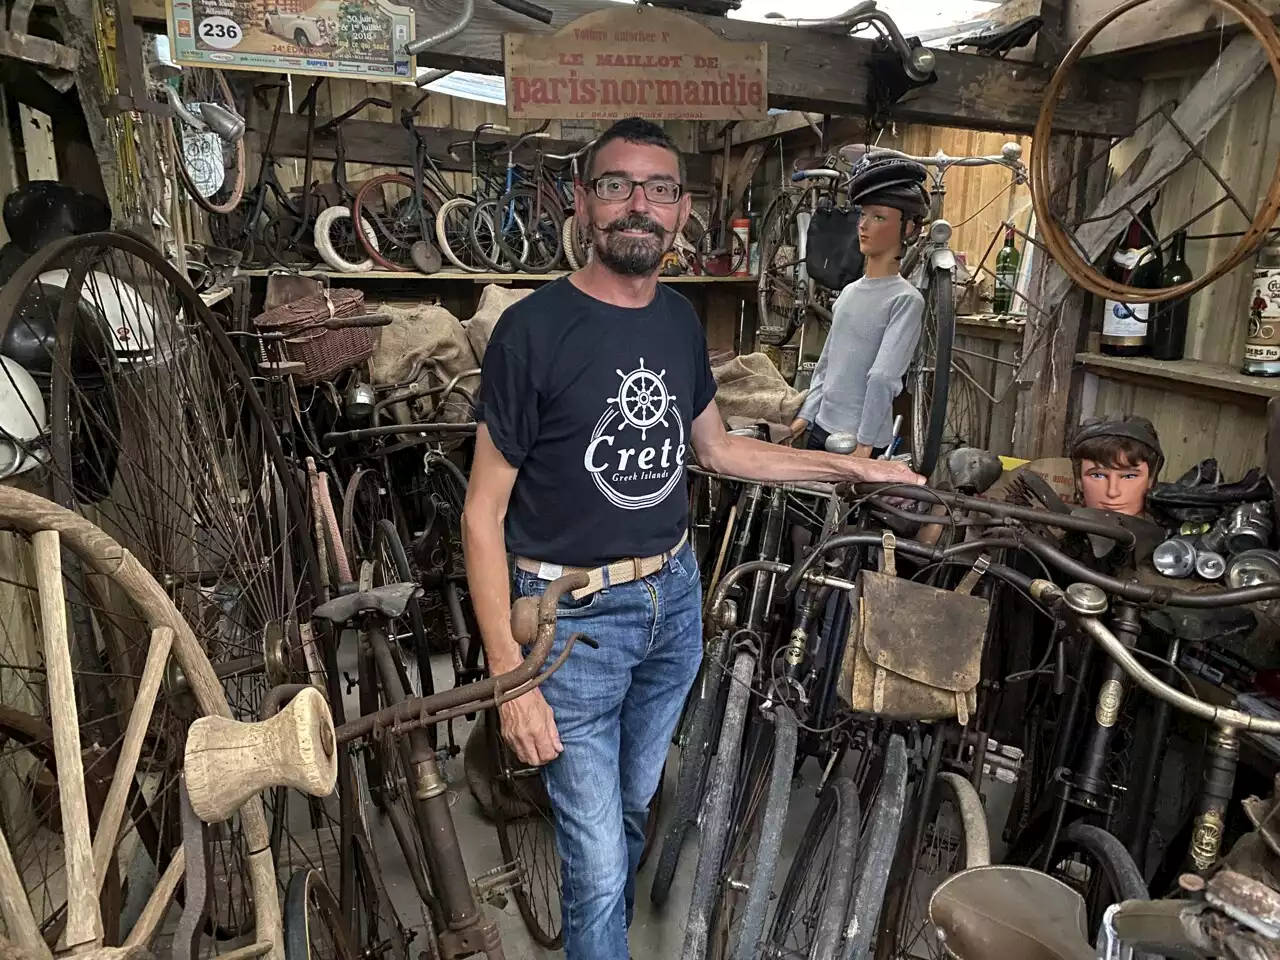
[{"x": 634, "y": 61}]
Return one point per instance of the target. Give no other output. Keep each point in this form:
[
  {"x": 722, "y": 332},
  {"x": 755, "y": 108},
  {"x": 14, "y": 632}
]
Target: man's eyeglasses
[{"x": 615, "y": 189}]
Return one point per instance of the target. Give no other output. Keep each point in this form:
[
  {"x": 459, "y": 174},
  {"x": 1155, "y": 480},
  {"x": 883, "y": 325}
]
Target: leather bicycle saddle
[
  {"x": 389, "y": 600},
  {"x": 1253, "y": 486},
  {"x": 1006, "y": 911}
]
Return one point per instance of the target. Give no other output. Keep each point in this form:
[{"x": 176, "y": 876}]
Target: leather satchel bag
[{"x": 914, "y": 652}]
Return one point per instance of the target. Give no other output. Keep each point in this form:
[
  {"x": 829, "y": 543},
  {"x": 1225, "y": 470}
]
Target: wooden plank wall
[{"x": 1244, "y": 149}]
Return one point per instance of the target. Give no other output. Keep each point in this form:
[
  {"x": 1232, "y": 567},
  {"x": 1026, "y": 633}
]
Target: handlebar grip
[
  {"x": 364, "y": 320},
  {"x": 499, "y": 128},
  {"x": 527, "y": 9},
  {"x": 797, "y": 176}
]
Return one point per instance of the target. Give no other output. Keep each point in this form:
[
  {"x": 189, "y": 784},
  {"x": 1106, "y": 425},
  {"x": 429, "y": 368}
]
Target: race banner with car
[{"x": 334, "y": 38}]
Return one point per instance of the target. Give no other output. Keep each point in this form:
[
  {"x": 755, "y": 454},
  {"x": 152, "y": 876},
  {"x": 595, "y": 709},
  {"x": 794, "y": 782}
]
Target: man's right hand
[{"x": 529, "y": 728}]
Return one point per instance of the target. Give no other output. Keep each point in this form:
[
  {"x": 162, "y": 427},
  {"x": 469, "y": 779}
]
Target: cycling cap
[
  {"x": 895, "y": 183},
  {"x": 1129, "y": 427}
]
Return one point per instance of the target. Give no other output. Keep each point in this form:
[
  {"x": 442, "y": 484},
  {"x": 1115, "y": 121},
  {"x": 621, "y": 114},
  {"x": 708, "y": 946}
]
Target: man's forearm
[
  {"x": 756, "y": 460},
  {"x": 486, "y": 556}
]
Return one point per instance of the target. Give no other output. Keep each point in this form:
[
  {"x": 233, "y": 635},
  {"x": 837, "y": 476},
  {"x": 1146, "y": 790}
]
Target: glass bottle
[
  {"x": 1169, "y": 326},
  {"x": 1136, "y": 262},
  {"x": 1007, "y": 261},
  {"x": 1262, "y": 348}
]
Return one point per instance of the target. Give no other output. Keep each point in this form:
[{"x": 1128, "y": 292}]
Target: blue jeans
[{"x": 615, "y": 708}]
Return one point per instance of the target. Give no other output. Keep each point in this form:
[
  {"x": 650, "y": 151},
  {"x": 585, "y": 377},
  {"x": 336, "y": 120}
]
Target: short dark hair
[
  {"x": 632, "y": 130},
  {"x": 1115, "y": 452}
]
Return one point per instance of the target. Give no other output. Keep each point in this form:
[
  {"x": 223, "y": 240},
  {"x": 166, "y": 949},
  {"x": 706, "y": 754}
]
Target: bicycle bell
[
  {"x": 1253, "y": 568},
  {"x": 1249, "y": 527},
  {"x": 1174, "y": 558},
  {"x": 358, "y": 404},
  {"x": 1210, "y": 565},
  {"x": 843, "y": 443}
]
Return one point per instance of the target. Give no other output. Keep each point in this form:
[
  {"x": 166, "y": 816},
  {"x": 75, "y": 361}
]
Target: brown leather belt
[{"x": 616, "y": 573}]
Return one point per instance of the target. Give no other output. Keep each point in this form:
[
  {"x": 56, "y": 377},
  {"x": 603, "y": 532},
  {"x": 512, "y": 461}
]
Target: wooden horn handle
[{"x": 227, "y": 761}]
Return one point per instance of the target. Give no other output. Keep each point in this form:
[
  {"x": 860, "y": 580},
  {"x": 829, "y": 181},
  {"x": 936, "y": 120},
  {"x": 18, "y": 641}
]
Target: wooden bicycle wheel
[
  {"x": 1052, "y": 231},
  {"x": 90, "y": 838}
]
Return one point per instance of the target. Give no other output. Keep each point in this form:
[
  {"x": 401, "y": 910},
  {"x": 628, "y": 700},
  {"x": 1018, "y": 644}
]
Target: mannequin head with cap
[{"x": 1116, "y": 460}]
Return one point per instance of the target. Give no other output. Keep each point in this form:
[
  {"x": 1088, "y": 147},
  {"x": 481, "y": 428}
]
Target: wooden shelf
[
  {"x": 992, "y": 326},
  {"x": 1197, "y": 373},
  {"x": 458, "y": 275}
]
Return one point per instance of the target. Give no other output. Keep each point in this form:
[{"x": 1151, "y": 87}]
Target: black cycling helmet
[
  {"x": 892, "y": 182},
  {"x": 1120, "y": 425}
]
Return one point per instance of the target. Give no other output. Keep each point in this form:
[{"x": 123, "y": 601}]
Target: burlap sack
[
  {"x": 493, "y": 300},
  {"x": 751, "y": 386},
  {"x": 431, "y": 334}
]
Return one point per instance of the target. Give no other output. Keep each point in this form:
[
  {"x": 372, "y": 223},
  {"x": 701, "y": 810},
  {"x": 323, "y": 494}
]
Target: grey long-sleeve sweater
[{"x": 875, "y": 325}]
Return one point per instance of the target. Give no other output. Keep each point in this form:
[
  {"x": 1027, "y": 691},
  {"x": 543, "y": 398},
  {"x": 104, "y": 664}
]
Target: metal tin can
[
  {"x": 742, "y": 227},
  {"x": 788, "y": 361},
  {"x": 1262, "y": 345}
]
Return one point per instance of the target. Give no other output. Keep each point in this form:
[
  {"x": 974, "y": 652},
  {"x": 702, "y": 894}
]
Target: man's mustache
[{"x": 634, "y": 221}]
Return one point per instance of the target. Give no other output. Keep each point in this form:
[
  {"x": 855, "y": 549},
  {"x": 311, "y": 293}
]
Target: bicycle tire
[
  {"x": 541, "y": 223},
  {"x": 326, "y": 247},
  {"x": 576, "y": 251},
  {"x": 311, "y": 912},
  {"x": 485, "y": 234},
  {"x": 526, "y": 836},
  {"x": 764, "y": 832},
  {"x": 929, "y": 387},
  {"x": 377, "y": 920},
  {"x": 810, "y": 911},
  {"x": 202, "y": 82},
  {"x": 876, "y": 848},
  {"x": 782, "y": 292},
  {"x": 453, "y": 231},
  {"x": 394, "y": 231},
  {"x": 953, "y": 797},
  {"x": 1121, "y": 874},
  {"x": 717, "y": 808},
  {"x": 695, "y": 758}
]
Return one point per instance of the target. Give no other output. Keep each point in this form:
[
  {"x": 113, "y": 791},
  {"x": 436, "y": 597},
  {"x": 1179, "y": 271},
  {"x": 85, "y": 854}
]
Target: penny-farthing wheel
[{"x": 643, "y": 399}]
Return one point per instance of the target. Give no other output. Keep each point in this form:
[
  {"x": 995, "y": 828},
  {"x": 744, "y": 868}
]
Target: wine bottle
[
  {"x": 1169, "y": 326},
  {"x": 1136, "y": 262},
  {"x": 1007, "y": 261}
]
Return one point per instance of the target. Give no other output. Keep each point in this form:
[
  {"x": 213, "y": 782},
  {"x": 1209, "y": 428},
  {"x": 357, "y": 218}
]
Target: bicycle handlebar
[
  {"x": 334, "y": 122},
  {"x": 531, "y": 10},
  {"x": 337, "y": 437},
  {"x": 941, "y": 161},
  {"x": 415, "y": 712},
  {"x": 1087, "y": 603},
  {"x": 799, "y": 175}
]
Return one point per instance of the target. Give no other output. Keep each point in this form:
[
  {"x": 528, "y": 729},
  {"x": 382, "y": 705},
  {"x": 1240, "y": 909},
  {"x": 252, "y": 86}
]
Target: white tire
[
  {"x": 324, "y": 243},
  {"x": 459, "y": 208}
]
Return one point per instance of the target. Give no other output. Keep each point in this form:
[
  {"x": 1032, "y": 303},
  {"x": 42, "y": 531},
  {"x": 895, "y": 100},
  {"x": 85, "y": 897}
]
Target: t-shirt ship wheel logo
[
  {"x": 643, "y": 399},
  {"x": 638, "y": 473}
]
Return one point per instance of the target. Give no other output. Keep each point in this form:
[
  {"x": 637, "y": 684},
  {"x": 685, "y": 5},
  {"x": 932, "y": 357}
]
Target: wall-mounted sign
[
  {"x": 333, "y": 38},
  {"x": 634, "y": 61}
]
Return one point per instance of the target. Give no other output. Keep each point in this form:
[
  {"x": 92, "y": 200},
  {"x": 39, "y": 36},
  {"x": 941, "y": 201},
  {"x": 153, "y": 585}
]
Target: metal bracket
[{"x": 198, "y": 882}]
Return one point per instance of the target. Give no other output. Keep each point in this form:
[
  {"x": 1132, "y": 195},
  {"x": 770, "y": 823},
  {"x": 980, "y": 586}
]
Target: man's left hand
[{"x": 880, "y": 471}]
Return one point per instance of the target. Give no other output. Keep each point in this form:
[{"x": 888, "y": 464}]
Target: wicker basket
[{"x": 325, "y": 353}]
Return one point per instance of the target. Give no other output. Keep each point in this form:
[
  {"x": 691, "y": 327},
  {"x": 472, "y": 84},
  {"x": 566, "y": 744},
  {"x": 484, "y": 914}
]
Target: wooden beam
[
  {"x": 751, "y": 131},
  {"x": 1217, "y": 91},
  {"x": 823, "y": 73},
  {"x": 742, "y": 176},
  {"x": 388, "y": 145},
  {"x": 1055, "y": 332},
  {"x": 1160, "y": 23}
]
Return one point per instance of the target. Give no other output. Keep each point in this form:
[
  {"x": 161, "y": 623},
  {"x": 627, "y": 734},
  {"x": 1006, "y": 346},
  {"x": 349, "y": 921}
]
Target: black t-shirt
[{"x": 594, "y": 404}]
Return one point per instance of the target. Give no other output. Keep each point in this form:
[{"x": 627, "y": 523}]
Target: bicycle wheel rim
[
  {"x": 209, "y": 169},
  {"x": 535, "y": 241},
  {"x": 1096, "y": 865},
  {"x": 526, "y": 836},
  {"x": 949, "y": 844},
  {"x": 400, "y": 215},
  {"x": 157, "y": 430},
  {"x": 782, "y": 288},
  {"x": 486, "y": 242},
  {"x": 453, "y": 234},
  {"x": 820, "y": 871},
  {"x": 313, "y": 924},
  {"x": 931, "y": 373}
]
